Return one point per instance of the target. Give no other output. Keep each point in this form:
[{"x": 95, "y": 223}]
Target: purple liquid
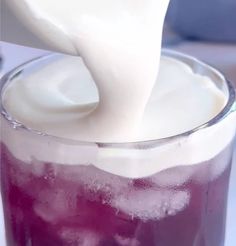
[{"x": 54, "y": 205}]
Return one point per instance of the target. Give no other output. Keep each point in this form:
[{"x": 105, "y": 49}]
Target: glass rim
[{"x": 228, "y": 108}]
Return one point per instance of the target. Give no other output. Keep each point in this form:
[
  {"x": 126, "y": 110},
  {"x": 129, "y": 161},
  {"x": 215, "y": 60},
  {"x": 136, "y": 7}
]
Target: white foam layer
[
  {"x": 59, "y": 98},
  {"x": 201, "y": 146}
]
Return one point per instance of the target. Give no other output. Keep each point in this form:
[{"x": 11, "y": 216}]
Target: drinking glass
[{"x": 61, "y": 192}]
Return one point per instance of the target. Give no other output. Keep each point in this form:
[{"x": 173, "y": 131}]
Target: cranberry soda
[{"x": 49, "y": 204}]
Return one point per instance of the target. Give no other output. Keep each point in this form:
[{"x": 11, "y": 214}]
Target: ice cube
[
  {"x": 54, "y": 204},
  {"x": 152, "y": 204},
  {"x": 37, "y": 168},
  {"x": 125, "y": 241},
  {"x": 20, "y": 174},
  {"x": 96, "y": 181},
  {"x": 80, "y": 237},
  {"x": 173, "y": 177}
]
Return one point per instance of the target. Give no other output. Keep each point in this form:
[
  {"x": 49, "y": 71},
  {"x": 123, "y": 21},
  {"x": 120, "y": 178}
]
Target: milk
[{"x": 120, "y": 43}]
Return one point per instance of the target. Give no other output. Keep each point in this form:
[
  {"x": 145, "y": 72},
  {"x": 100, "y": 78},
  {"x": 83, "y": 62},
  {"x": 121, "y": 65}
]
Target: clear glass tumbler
[{"x": 60, "y": 192}]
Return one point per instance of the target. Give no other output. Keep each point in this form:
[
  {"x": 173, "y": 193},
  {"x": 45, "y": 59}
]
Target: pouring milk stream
[{"x": 120, "y": 43}]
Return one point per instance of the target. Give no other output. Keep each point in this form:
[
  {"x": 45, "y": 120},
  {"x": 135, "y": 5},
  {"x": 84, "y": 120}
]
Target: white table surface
[{"x": 221, "y": 56}]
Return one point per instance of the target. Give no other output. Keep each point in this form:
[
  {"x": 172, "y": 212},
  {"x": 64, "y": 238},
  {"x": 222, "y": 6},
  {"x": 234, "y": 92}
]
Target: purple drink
[
  {"x": 166, "y": 192},
  {"x": 49, "y": 204}
]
